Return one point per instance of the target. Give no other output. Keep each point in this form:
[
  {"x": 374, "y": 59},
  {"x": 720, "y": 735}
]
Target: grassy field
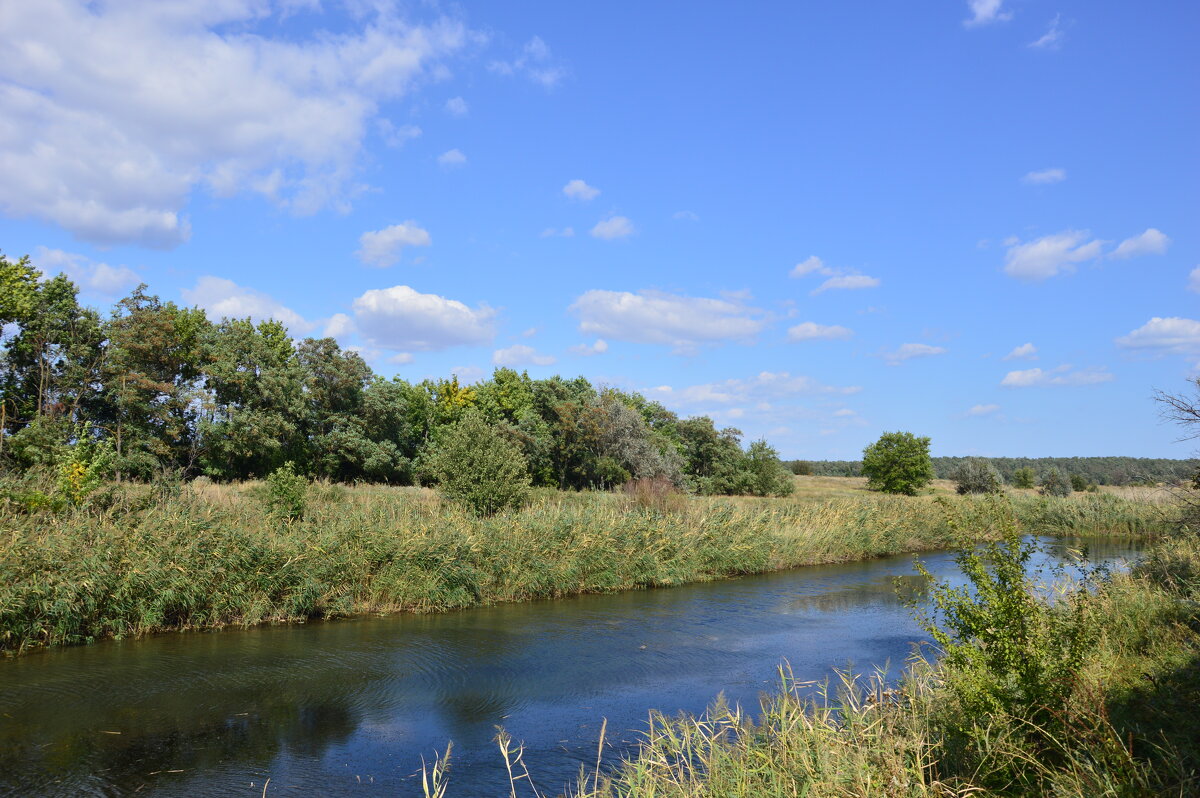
[
  {"x": 1126, "y": 724},
  {"x": 207, "y": 555}
]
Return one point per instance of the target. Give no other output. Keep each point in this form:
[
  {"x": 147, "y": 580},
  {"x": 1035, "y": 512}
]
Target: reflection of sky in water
[{"x": 351, "y": 707}]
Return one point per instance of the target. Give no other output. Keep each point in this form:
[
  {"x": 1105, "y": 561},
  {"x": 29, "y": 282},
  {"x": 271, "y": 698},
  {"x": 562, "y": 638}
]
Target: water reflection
[{"x": 351, "y": 707}]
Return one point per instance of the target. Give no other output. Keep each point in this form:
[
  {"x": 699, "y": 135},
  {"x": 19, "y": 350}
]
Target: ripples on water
[{"x": 350, "y": 707}]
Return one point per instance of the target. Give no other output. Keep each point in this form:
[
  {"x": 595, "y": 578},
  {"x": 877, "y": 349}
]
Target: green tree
[
  {"x": 51, "y": 368},
  {"x": 765, "y": 474},
  {"x": 976, "y": 475},
  {"x": 898, "y": 462},
  {"x": 479, "y": 468},
  {"x": 151, "y": 384},
  {"x": 1055, "y": 483},
  {"x": 255, "y": 419},
  {"x": 1024, "y": 477}
]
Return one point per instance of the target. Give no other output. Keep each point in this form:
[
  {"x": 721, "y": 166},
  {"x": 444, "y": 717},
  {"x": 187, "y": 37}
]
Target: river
[{"x": 350, "y": 707}]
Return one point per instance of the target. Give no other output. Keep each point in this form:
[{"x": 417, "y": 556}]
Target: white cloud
[
  {"x": 520, "y": 355},
  {"x": 397, "y": 136},
  {"x": 457, "y": 106},
  {"x": 1045, "y": 176},
  {"x": 686, "y": 216},
  {"x": 812, "y": 264},
  {"x": 599, "y": 347},
  {"x": 985, "y": 12},
  {"x": 1151, "y": 242},
  {"x": 566, "y": 232},
  {"x": 811, "y": 331},
  {"x": 1045, "y": 257},
  {"x": 452, "y": 158},
  {"x": 90, "y": 276},
  {"x": 1194, "y": 280},
  {"x": 579, "y": 190},
  {"x": 223, "y": 298},
  {"x": 535, "y": 63},
  {"x": 654, "y": 317},
  {"x": 113, "y": 114},
  {"x": 909, "y": 351},
  {"x": 848, "y": 282},
  {"x": 846, "y": 279},
  {"x": 1052, "y": 38},
  {"x": 400, "y": 359},
  {"x": 613, "y": 227},
  {"x": 381, "y": 248},
  {"x": 339, "y": 325},
  {"x": 1167, "y": 335},
  {"x": 983, "y": 410},
  {"x": 1022, "y": 352},
  {"x": 763, "y": 386},
  {"x": 401, "y": 318},
  {"x": 1063, "y": 375}
]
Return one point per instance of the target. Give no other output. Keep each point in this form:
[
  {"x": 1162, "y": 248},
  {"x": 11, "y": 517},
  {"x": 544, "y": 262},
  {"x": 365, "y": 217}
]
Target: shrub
[
  {"x": 976, "y": 475},
  {"x": 764, "y": 474},
  {"x": 1006, "y": 650},
  {"x": 1024, "y": 477},
  {"x": 654, "y": 493},
  {"x": 287, "y": 492},
  {"x": 1055, "y": 483},
  {"x": 479, "y": 468},
  {"x": 898, "y": 462},
  {"x": 1079, "y": 482}
]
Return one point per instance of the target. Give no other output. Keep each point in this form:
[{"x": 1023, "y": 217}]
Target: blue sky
[{"x": 813, "y": 221}]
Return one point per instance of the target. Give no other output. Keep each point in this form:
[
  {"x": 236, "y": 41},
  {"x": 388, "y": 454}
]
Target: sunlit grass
[{"x": 211, "y": 555}]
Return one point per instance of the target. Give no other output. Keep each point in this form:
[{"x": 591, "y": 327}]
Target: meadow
[{"x": 140, "y": 559}]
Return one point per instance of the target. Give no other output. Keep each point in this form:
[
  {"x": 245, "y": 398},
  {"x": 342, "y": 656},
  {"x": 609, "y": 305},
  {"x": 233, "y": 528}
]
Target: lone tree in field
[
  {"x": 898, "y": 462},
  {"x": 481, "y": 469}
]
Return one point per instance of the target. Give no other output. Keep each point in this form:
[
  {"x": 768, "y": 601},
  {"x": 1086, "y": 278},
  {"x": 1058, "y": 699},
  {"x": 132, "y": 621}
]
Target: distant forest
[{"x": 1100, "y": 470}]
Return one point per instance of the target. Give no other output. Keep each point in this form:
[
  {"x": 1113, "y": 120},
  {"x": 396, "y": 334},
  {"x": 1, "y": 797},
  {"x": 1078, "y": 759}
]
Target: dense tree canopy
[
  {"x": 174, "y": 392},
  {"x": 898, "y": 463}
]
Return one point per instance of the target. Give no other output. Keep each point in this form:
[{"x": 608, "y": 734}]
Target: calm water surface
[{"x": 350, "y": 707}]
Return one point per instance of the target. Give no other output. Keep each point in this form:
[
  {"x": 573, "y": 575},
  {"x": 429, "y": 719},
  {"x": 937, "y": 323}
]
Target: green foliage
[
  {"x": 1005, "y": 649},
  {"x": 977, "y": 475},
  {"x": 1079, "y": 482},
  {"x": 86, "y": 463},
  {"x": 1024, "y": 477},
  {"x": 176, "y": 393},
  {"x": 898, "y": 463},
  {"x": 481, "y": 469},
  {"x": 287, "y": 493},
  {"x": 1055, "y": 483},
  {"x": 764, "y": 474}
]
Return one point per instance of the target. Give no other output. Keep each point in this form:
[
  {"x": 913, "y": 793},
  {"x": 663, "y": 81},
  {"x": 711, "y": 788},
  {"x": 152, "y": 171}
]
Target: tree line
[
  {"x": 166, "y": 390},
  {"x": 1097, "y": 470}
]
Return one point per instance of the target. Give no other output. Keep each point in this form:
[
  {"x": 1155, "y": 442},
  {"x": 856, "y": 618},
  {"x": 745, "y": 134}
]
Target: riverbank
[
  {"x": 1123, "y": 724},
  {"x": 212, "y": 555}
]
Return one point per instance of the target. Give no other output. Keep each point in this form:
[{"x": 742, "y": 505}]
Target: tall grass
[{"x": 205, "y": 555}]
